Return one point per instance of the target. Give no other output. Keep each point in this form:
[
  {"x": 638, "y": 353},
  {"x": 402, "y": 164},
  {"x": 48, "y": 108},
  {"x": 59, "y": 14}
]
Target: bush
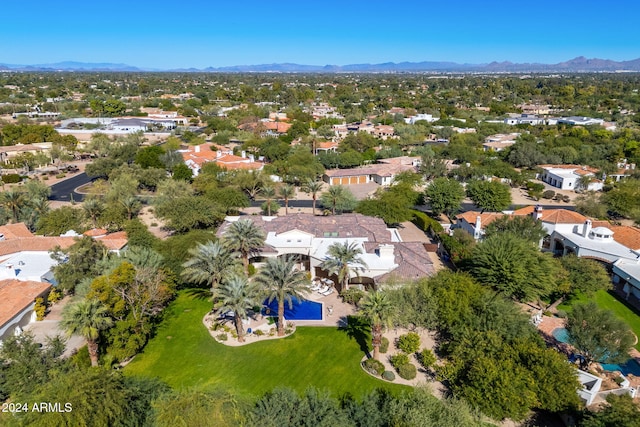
[
  {"x": 566, "y": 199},
  {"x": 352, "y": 296},
  {"x": 408, "y": 343},
  {"x": 258, "y": 332},
  {"x": 407, "y": 371},
  {"x": 60, "y": 175},
  {"x": 398, "y": 360},
  {"x": 425, "y": 223},
  {"x": 222, "y": 337},
  {"x": 11, "y": 178},
  {"x": 252, "y": 270},
  {"x": 388, "y": 375},
  {"x": 55, "y": 295},
  {"x": 384, "y": 345},
  {"x": 40, "y": 308},
  {"x": 427, "y": 358},
  {"x": 373, "y": 366},
  {"x": 548, "y": 194}
]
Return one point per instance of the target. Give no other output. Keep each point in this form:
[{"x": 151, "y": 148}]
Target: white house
[
  {"x": 566, "y": 177},
  {"x": 583, "y": 121}
]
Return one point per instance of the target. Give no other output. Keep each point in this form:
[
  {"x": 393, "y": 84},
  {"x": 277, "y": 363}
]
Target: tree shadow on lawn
[{"x": 359, "y": 329}]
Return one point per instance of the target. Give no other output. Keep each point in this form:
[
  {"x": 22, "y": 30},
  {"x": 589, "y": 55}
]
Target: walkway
[{"x": 49, "y": 328}]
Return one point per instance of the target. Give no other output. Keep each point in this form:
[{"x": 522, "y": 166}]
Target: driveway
[{"x": 49, "y": 328}]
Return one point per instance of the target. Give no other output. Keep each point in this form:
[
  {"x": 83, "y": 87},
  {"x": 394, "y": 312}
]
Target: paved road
[{"x": 63, "y": 191}]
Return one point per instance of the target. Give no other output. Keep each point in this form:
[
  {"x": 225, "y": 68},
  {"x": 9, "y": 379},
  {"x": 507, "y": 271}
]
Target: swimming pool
[
  {"x": 631, "y": 366},
  {"x": 300, "y": 310}
]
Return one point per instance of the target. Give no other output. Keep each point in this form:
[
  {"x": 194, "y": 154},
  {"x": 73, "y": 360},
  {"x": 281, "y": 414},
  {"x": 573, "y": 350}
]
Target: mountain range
[{"x": 579, "y": 64}]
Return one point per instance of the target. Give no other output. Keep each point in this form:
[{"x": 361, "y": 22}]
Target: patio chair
[
  {"x": 328, "y": 292},
  {"x": 315, "y": 286},
  {"x": 323, "y": 289}
]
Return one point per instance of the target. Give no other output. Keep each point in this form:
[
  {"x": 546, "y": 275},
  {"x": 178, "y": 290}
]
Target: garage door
[
  {"x": 362, "y": 179},
  {"x": 344, "y": 181},
  {"x": 354, "y": 180}
]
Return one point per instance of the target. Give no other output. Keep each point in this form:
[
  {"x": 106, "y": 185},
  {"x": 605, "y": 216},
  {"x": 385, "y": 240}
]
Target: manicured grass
[
  {"x": 184, "y": 354},
  {"x": 609, "y": 302}
]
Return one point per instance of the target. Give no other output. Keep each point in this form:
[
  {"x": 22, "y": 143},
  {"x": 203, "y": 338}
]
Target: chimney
[
  {"x": 218, "y": 154},
  {"x": 243, "y": 154},
  {"x": 197, "y": 148},
  {"x": 251, "y": 158},
  {"x": 586, "y": 228},
  {"x": 537, "y": 213},
  {"x": 386, "y": 251}
]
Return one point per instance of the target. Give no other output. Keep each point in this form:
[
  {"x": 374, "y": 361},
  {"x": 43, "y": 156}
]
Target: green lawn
[
  {"x": 607, "y": 301},
  {"x": 183, "y": 354}
]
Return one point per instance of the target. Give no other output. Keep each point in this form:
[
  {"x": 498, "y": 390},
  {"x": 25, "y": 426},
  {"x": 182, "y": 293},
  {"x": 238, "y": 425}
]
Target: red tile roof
[
  {"x": 15, "y": 296},
  {"x": 13, "y": 231}
]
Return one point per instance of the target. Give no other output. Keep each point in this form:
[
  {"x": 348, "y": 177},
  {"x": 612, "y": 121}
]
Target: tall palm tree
[
  {"x": 313, "y": 188},
  {"x": 286, "y": 192},
  {"x": 344, "y": 259},
  {"x": 282, "y": 281},
  {"x": 93, "y": 207},
  {"x": 269, "y": 193},
  {"x": 245, "y": 237},
  {"x": 87, "y": 318},
  {"x": 210, "y": 263},
  {"x": 131, "y": 205},
  {"x": 13, "y": 201},
  {"x": 378, "y": 309},
  {"x": 237, "y": 294}
]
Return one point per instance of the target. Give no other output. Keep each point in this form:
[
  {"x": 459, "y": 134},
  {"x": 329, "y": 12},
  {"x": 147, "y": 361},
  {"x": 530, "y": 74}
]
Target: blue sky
[{"x": 193, "y": 33}]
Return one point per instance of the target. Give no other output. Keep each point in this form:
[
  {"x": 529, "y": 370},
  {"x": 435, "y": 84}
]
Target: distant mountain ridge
[{"x": 579, "y": 64}]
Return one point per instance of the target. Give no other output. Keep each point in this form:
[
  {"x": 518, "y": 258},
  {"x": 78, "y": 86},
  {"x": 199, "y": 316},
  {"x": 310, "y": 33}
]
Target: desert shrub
[
  {"x": 373, "y": 366},
  {"x": 352, "y": 296},
  {"x": 259, "y": 332},
  {"x": 398, "y": 360},
  {"x": 222, "y": 337},
  {"x": 55, "y": 295},
  {"x": 388, "y": 375},
  {"x": 427, "y": 358},
  {"x": 566, "y": 199},
  {"x": 384, "y": 345},
  {"x": 11, "y": 178},
  {"x": 408, "y": 371},
  {"x": 549, "y": 194},
  {"x": 408, "y": 343}
]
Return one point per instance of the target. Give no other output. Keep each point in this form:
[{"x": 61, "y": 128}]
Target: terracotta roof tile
[
  {"x": 485, "y": 218},
  {"x": 94, "y": 232},
  {"x": 13, "y": 231},
  {"x": 626, "y": 235},
  {"x": 16, "y": 295}
]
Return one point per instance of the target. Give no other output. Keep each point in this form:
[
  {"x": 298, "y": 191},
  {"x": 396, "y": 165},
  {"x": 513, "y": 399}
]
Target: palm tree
[
  {"x": 131, "y": 205},
  {"x": 378, "y": 309},
  {"x": 283, "y": 281},
  {"x": 245, "y": 237},
  {"x": 286, "y": 192},
  {"x": 313, "y": 188},
  {"x": 237, "y": 294},
  {"x": 269, "y": 193},
  {"x": 210, "y": 263},
  {"x": 93, "y": 207},
  {"x": 343, "y": 259},
  {"x": 13, "y": 201},
  {"x": 87, "y": 318},
  {"x": 338, "y": 198}
]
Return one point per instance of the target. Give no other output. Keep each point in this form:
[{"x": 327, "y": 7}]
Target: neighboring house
[
  {"x": 426, "y": 117},
  {"x": 582, "y": 121},
  {"x": 382, "y": 173},
  {"x": 566, "y": 177},
  {"x": 499, "y": 141},
  {"x": 525, "y": 119},
  {"x": 623, "y": 171},
  {"x": 26, "y": 269},
  {"x": 308, "y": 237},
  {"x": 10, "y": 151},
  {"x": 535, "y": 109},
  {"x": 197, "y": 155},
  {"x": 325, "y": 146},
  {"x": 384, "y": 131}
]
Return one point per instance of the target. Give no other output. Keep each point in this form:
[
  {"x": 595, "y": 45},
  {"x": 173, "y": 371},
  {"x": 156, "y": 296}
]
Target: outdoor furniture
[
  {"x": 328, "y": 292},
  {"x": 315, "y": 286},
  {"x": 323, "y": 289}
]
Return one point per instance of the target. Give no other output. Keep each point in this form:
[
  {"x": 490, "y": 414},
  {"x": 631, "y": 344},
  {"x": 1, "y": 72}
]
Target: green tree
[
  {"x": 246, "y": 238},
  {"x": 445, "y": 196},
  {"x": 282, "y": 281},
  {"x": 210, "y": 263},
  {"x": 269, "y": 194},
  {"x": 87, "y": 318},
  {"x": 621, "y": 411},
  {"x": 525, "y": 227},
  {"x": 514, "y": 267},
  {"x": 338, "y": 198},
  {"x": 377, "y": 308},
  {"x": 12, "y": 200},
  {"x": 584, "y": 275},
  {"x": 79, "y": 261},
  {"x": 93, "y": 207},
  {"x": 343, "y": 259},
  {"x": 237, "y": 294},
  {"x": 489, "y": 195},
  {"x": 61, "y": 220},
  {"x": 598, "y": 335},
  {"x": 216, "y": 408}
]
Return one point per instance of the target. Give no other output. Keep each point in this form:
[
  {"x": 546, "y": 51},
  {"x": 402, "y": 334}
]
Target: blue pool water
[
  {"x": 628, "y": 367},
  {"x": 300, "y": 310}
]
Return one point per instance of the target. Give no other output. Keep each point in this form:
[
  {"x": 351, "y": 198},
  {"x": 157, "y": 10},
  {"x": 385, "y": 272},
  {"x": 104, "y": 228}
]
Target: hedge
[{"x": 425, "y": 222}]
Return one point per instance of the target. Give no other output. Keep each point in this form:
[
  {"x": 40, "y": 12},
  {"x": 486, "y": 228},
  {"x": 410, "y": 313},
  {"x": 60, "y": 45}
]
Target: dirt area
[
  {"x": 154, "y": 224},
  {"x": 520, "y": 197}
]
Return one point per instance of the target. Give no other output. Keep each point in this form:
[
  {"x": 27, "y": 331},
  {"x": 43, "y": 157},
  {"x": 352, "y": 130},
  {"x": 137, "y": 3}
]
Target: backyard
[
  {"x": 184, "y": 355},
  {"x": 607, "y": 301}
]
